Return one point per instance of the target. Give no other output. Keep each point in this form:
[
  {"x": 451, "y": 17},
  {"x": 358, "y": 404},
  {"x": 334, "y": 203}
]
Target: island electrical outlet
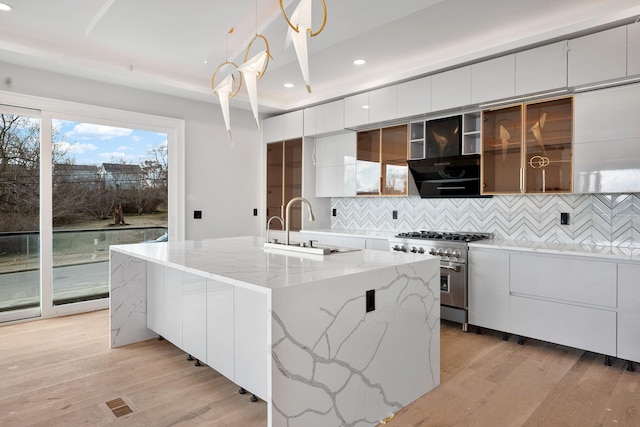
[{"x": 370, "y": 297}]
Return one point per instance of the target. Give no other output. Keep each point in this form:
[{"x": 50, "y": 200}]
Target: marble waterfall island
[{"x": 345, "y": 339}]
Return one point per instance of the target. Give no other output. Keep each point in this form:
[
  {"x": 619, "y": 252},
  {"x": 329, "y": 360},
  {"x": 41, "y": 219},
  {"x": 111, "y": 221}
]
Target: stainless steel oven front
[{"x": 453, "y": 284}]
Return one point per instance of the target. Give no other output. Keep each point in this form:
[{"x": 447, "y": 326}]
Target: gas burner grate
[{"x": 444, "y": 235}]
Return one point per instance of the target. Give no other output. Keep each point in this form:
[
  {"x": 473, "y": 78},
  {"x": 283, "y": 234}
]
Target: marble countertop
[
  {"x": 612, "y": 253},
  {"x": 354, "y": 233},
  {"x": 243, "y": 261}
]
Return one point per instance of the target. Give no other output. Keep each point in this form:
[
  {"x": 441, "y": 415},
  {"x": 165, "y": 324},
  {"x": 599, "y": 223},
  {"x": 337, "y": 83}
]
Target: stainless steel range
[{"x": 452, "y": 249}]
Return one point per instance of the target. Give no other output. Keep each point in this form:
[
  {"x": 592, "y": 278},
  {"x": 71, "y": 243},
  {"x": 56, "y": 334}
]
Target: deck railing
[{"x": 20, "y": 260}]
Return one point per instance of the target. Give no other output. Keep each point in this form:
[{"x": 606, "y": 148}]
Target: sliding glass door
[
  {"x": 19, "y": 213},
  {"x": 109, "y": 187},
  {"x": 70, "y": 188}
]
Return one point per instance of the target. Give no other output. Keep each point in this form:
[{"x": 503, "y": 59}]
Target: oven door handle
[{"x": 451, "y": 267}]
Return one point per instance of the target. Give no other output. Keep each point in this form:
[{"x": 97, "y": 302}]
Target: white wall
[{"x": 222, "y": 178}]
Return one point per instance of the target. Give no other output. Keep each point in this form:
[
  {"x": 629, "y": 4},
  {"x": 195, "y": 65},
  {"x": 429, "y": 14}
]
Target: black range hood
[{"x": 457, "y": 176}]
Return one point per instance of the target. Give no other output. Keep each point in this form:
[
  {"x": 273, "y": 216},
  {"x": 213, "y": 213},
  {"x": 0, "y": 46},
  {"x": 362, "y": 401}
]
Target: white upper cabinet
[
  {"x": 451, "y": 89},
  {"x": 356, "y": 110},
  {"x": 607, "y": 141},
  {"x": 272, "y": 129},
  {"x": 330, "y": 117},
  {"x": 633, "y": 49},
  {"x": 309, "y": 120},
  {"x": 292, "y": 125},
  {"x": 382, "y": 104},
  {"x": 493, "y": 79},
  {"x": 598, "y": 57},
  {"x": 414, "y": 97},
  {"x": 283, "y": 127},
  {"x": 336, "y": 165},
  {"x": 370, "y": 107},
  {"x": 541, "y": 69}
]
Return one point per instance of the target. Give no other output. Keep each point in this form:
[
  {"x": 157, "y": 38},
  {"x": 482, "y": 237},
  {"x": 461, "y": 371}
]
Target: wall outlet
[
  {"x": 334, "y": 212},
  {"x": 564, "y": 218},
  {"x": 370, "y": 298},
  {"x": 197, "y": 214},
  {"x": 255, "y": 212},
  {"x": 394, "y": 214}
]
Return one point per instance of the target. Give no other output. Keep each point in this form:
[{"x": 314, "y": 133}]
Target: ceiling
[{"x": 173, "y": 47}]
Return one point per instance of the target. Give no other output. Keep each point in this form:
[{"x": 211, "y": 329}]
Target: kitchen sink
[{"x": 306, "y": 249}]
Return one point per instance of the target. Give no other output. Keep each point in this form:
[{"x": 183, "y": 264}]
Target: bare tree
[{"x": 19, "y": 173}]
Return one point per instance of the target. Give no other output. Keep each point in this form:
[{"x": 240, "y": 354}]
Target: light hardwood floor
[{"x": 61, "y": 372}]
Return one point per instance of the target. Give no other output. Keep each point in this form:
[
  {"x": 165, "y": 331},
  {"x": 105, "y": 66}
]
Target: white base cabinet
[
  {"x": 629, "y": 312},
  {"x": 489, "y": 289},
  {"x": 566, "y": 300},
  {"x": 578, "y": 301},
  {"x": 586, "y": 328}
]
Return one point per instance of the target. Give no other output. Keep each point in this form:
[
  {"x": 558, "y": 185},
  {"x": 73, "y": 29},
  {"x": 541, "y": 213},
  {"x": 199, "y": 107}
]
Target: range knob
[
  {"x": 421, "y": 250},
  {"x": 432, "y": 251},
  {"x": 447, "y": 252},
  {"x": 414, "y": 250},
  {"x": 456, "y": 253},
  {"x": 397, "y": 248},
  {"x": 439, "y": 252}
]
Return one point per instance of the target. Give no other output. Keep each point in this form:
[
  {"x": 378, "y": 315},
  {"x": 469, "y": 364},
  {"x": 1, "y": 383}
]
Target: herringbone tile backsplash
[{"x": 595, "y": 219}]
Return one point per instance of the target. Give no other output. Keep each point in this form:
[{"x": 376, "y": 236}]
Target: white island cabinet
[{"x": 324, "y": 340}]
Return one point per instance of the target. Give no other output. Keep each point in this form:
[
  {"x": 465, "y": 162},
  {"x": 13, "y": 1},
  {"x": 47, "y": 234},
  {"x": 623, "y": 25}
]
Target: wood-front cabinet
[
  {"x": 527, "y": 148},
  {"x": 284, "y": 181},
  {"x": 381, "y": 162}
]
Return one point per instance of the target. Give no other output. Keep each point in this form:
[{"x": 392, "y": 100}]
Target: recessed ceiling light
[
  {"x": 359, "y": 62},
  {"x": 365, "y": 106},
  {"x": 5, "y": 7},
  {"x": 288, "y": 85}
]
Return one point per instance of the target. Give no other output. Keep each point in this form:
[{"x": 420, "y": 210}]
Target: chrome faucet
[
  {"x": 295, "y": 199},
  {"x": 269, "y": 225}
]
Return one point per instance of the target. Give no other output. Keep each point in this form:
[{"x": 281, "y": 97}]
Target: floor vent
[{"x": 119, "y": 407}]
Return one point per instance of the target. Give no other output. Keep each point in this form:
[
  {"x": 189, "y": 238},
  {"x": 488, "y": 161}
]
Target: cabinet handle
[{"x": 521, "y": 179}]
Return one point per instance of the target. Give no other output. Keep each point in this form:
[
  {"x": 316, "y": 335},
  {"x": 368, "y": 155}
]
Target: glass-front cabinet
[
  {"x": 368, "y": 163},
  {"x": 527, "y": 148},
  {"x": 381, "y": 162},
  {"x": 284, "y": 181}
]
